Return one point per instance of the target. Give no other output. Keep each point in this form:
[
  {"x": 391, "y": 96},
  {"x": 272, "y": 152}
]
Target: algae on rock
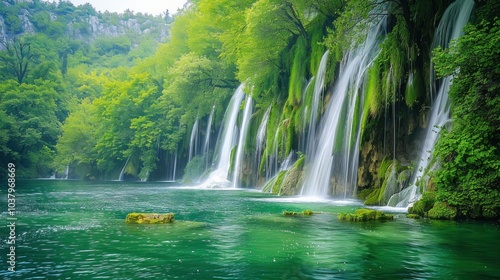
[
  {"x": 364, "y": 214},
  {"x": 149, "y": 218}
]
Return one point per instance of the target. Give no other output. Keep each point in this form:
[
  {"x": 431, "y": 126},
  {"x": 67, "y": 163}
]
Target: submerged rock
[
  {"x": 364, "y": 214},
  {"x": 149, "y": 218}
]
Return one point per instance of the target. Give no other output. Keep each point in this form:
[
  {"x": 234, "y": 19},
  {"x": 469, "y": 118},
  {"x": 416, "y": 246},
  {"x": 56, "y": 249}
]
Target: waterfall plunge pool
[{"x": 77, "y": 230}]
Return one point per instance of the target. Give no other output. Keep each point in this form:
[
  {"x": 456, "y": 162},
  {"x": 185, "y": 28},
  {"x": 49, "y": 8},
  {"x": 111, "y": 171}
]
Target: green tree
[
  {"x": 17, "y": 58},
  {"x": 76, "y": 145},
  {"x": 31, "y": 124}
]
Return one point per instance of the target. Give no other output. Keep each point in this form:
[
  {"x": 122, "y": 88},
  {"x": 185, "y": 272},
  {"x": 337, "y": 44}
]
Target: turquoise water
[{"x": 77, "y": 230}]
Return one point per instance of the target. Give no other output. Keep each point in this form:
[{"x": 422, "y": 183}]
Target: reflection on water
[{"x": 71, "y": 229}]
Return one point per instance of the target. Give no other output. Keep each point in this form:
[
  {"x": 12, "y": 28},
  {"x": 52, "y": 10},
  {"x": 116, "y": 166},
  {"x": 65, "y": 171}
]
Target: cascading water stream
[
  {"x": 247, "y": 114},
  {"x": 450, "y": 27},
  {"x": 319, "y": 87},
  {"x": 272, "y": 161},
  {"x": 261, "y": 137},
  {"x": 193, "y": 141},
  {"x": 225, "y": 144},
  {"x": 285, "y": 166},
  {"x": 175, "y": 166},
  {"x": 327, "y": 149},
  {"x": 122, "y": 172},
  {"x": 66, "y": 173},
  {"x": 303, "y": 144},
  {"x": 206, "y": 144}
]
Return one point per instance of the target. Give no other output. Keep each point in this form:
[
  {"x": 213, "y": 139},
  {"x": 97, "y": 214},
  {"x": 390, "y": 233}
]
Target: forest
[{"x": 106, "y": 96}]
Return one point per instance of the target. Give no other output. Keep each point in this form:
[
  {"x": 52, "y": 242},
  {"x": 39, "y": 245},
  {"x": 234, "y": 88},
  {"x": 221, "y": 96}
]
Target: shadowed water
[{"x": 77, "y": 230}]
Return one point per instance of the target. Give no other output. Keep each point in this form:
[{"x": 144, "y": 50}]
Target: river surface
[{"x": 77, "y": 230}]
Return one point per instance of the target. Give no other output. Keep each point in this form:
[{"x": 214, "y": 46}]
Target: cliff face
[{"x": 18, "y": 18}]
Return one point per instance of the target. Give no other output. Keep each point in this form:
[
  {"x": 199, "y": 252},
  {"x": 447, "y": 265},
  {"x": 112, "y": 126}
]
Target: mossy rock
[
  {"x": 364, "y": 214},
  {"x": 292, "y": 181},
  {"x": 424, "y": 204},
  {"x": 149, "y": 218},
  {"x": 307, "y": 212},
  {"x": 293, "y": 213},
  {"x": 372, "y": 198},
  {"x": 413, "y": 216},
  {"x": 442, "y": 211}
]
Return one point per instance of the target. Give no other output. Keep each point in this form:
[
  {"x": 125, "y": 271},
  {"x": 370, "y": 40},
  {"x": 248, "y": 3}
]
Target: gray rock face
[{"x": 88, "y": 27}]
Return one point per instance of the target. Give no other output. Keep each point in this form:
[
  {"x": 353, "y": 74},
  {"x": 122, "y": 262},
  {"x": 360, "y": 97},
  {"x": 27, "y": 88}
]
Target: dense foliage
[
  {"x": 469, "y": 177},
  {"x": 55, "y": 59}
]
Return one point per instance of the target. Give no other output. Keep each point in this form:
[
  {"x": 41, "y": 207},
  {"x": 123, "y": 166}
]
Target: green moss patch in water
[
  {"x": 303, "y": 213},
  {"x": 290, "y": 213},
  {"x": 149, "y": 218},
  {"x": 364, "y": 214}
]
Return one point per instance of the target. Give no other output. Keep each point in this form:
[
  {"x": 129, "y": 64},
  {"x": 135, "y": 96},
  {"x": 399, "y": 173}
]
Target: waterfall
[
  {"x": 261, "y": 137},
  {"x": 122, "y": 172},
  {"x": 206, "y": 144},
  {"x": 450, "y": 27},
  {"x": 247, "y": 114},
  {"x": 302, "y": 144},
  {"x": 336, "y": 147},
  {"x": 175, "y": 166},
  {"x": 170, "y": 165},
  {"x": 319, "y": 86},
  {"x": 145, "y": 178},
  {"x": 226, "y": 142},
  {"x": 66, "y": 173},
  {"x": 272, "y": 161},
  {"x": 285, "y": 166},
  {"x": 193, "y": 141}
]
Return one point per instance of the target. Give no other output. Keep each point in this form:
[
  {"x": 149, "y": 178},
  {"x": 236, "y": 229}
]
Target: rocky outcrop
[
  {"x": 85, "y": 26},
  {"x": 293, "y": 179}
]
